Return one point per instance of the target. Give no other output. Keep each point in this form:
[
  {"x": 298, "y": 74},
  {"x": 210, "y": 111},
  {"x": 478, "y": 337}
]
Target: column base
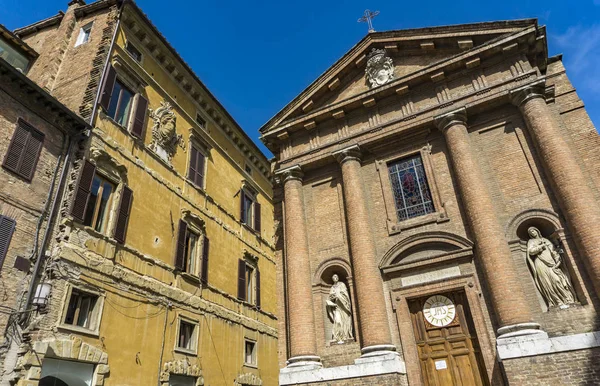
[
  {"x": 385, "y": 364},
  {"x": 520, "y": 329},
  {"x": 378, "y": 351},
  {"x": 303, "y": 363}
]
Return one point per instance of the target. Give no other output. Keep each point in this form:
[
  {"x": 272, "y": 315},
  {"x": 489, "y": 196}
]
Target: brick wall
[{"x": 580, "y": 367}]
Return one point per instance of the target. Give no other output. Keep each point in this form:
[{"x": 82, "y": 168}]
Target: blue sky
[{"x": 255, "y": 56}]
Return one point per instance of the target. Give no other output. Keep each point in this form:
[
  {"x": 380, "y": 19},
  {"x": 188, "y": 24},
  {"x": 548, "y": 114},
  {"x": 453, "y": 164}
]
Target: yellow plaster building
[{"x": 162, "y": 270}]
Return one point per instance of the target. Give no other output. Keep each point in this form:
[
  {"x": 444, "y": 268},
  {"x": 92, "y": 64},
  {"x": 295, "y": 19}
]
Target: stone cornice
[
  {"x": 407, "y": 82},
  {"x": 498, "y": 93}
]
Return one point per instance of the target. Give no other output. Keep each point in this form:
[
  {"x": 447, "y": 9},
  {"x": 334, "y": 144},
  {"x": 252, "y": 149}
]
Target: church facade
[{"x": 437, "y": 208}]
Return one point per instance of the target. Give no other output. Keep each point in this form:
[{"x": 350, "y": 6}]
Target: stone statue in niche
[
  {"x": 380, "y": 68},
  {"x": 549, "y": 274},
  {"x": 164, "y": 136},
  {"x": 339, "y": 311}
]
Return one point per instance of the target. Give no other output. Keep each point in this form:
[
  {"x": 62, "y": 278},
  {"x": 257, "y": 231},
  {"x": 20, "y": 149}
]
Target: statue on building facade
[
  {"x": 380, "y": 68},
  {"x": 545, "y": 263},
  {"x": 339, "y": 311},
  {"x": 164, "y": 135}
]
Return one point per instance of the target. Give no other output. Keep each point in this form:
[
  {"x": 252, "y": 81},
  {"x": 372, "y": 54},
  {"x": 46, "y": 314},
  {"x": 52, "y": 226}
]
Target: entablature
[{"x": 522, "y": 43}]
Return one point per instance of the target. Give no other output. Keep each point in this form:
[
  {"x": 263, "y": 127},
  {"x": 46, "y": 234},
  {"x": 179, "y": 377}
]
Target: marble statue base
[{"x": 387, "y": 362}]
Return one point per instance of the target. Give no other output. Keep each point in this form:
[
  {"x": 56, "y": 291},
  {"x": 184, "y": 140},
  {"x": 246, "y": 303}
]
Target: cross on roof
[{"x": 368, "y": 17}]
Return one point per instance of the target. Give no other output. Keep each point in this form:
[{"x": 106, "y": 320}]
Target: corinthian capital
[
  {"x": 521, "y": 95},
  {"x": 347, "y": 154},
  {"x": 445, "y": 121},
  {"x": 291, "y": 173}
]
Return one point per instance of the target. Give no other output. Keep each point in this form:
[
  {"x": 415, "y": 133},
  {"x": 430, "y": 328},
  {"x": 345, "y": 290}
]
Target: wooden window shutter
[
  {"x": 84, "y": 188},
  {"x": 180, "y": 252},
  {"x": 192, "y": 168},
  {"x": 107, "y": 87},
  {"x": 139, "y": 116},
  {"x": 242, "y": 211},
  {"x": 123, "y": 214},
  {"x": 7, "y": 227},
  {"x": 257, "y": 288},
  {"x": 241, "y": 279},
  {"x": 24, "y": 150},
  {"x": 200, "y": 169},
  {"x": 204, "y": 268},
  {"x": 257, "y": 217}
]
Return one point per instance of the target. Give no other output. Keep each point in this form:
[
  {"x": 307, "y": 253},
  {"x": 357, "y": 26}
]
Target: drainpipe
[{"x": 48, "y": 231}]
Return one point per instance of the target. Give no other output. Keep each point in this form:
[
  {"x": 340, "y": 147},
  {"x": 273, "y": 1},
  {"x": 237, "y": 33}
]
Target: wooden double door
[{"x": 449, "y": 354}]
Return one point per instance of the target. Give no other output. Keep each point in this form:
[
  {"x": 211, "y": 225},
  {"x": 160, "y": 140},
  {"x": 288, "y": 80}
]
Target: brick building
[
  {"x": 37, "y": 137},
  {"x": 450, "y": 178},
  {"x": 161, "y": 267}
]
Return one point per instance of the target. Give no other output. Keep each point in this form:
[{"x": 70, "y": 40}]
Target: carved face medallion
[{"x": 439, "y": 310}]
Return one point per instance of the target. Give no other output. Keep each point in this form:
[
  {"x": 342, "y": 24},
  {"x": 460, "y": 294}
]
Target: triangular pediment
[{"x": 411, "y": 51}]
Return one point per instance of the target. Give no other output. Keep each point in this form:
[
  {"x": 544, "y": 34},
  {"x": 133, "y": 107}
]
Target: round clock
[{"x": 439, "y": 310}]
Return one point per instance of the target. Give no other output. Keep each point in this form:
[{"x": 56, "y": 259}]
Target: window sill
[
  {"x": 123, "y": 128},
  {"x": 252, "y": 366},
  {"x": 249, "y": 228},
  {"x": 185, "y": 351},
  {"x": 190, "y": 276},
  {"x": 79, "y": 330},
  {"x": 200, "y": 189},
  {"x": 395, "y": 227}
]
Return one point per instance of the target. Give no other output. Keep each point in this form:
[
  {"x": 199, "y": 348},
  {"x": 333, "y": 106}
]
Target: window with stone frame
[
  {"x": 250, "y": 353},
  {"x": 250, "y": 209},
  {"x": 249, "y": 280},
  {"x": 82, "y": 310},
  {"x": 191, "y": 254},
  {"x": 99, "y": 204},
  {"x": 187, "y": 335},
  {"x": 412, "y": 196}
]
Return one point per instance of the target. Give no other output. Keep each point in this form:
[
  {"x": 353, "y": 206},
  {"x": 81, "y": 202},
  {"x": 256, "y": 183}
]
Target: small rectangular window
[
  {"x": 99, "y": 204},
  {"x": 187, "y": 336},
  {"x": 120, "y": 103},
  {"x": 133, "y": 51},
  {"x": 411, "y": 190},
  {"x": 250, "y": 352},
  {"x": 200, "y": 121},
  {"x": 84, "y": 34},
  {"x": 81, "y": 310}
]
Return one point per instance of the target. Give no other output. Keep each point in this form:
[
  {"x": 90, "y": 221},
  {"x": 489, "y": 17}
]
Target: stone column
[
  {"x": 374, "y": 327},
  {"x": 301, "y": 321},
  {"x": 571, "y": 186},
  {"x": 508, "y": 300}
]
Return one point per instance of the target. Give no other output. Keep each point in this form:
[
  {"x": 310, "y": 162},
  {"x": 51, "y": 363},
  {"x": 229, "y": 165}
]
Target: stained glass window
[{"x": 411, "y": 191}]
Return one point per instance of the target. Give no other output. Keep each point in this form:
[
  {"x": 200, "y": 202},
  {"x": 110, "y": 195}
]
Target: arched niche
[
  {"x": 550, "y": 227},
  {"x": 322, "y": 283},
  {"x": 424, "y": 246}
]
